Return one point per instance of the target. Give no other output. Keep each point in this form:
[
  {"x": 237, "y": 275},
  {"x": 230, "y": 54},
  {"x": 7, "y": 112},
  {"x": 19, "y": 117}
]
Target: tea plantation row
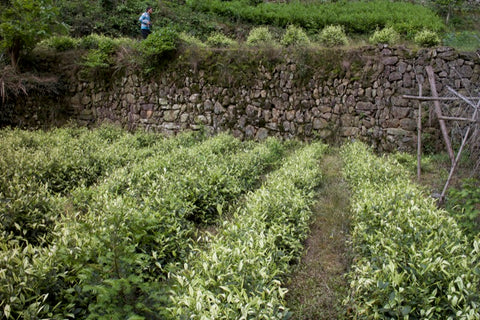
[
  {"x": 104, "y": 224},
  {"x": 411, "y": 260}
]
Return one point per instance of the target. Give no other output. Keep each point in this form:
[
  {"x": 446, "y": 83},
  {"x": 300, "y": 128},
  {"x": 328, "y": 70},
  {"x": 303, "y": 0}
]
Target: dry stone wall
[{"x": 358, "y": 96}]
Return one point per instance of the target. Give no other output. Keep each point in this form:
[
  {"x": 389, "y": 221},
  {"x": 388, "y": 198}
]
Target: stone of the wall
[{"x": 364, "y": 100}]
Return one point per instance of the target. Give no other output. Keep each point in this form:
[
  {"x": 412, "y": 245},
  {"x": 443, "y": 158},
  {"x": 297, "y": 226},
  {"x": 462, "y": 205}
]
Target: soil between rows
[{"x": 318, "y": 285}]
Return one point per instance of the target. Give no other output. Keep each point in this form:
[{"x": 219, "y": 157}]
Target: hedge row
[
  {"x": 40, "y": 167},
  {"x": 113, "y": 245},
  {"x": 239, "y": 275},
  {"x": 354, "y": 16},
  {"x": 411, "y": 260}
]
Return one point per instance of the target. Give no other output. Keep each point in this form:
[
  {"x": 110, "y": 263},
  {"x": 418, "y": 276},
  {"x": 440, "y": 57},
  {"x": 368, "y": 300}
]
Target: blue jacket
[{"x": 144, "y": 20}]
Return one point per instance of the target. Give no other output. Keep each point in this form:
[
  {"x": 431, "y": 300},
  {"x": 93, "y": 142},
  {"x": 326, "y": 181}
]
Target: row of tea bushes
[
  {"x": 111, "y": 250},
  {"x": 411, "y": 261},
  {"x": 238, "y": 275},
  {"x": 40, "y": 167}
]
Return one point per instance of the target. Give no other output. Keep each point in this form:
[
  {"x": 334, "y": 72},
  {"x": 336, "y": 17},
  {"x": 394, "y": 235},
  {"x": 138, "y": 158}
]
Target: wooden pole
[{"x": 438, "y": 112}]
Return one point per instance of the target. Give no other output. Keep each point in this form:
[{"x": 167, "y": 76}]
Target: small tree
[
  {"x": 446, "y": 7},
  {"x": 23, "y": 23}
]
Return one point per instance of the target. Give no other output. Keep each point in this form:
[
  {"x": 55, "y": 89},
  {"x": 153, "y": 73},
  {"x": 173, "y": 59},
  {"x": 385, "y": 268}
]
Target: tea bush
[
  {"x": 60, "y": 43},
  {"x": 464, "y": 204},
  {"x": 237, "y": 276},
  {"x": 38, "y": 165},
  {"x": 259, "y": 36},
  {"x": 427, "y": 38},
  {"x": 159, "y": 46},
  {"x": 102, "y": 50},
  {"x": 114, "y": 242},
  {"x": 387, "y": 35},
  {"x": 191, "y": 40},
  {"x": 219, "y": 40},
  {"x": 411, "y": 259},
  {"x": 333, "y": 36},
  {"x": 354, "y": 16},
  {"x": 294, "y": 36}
]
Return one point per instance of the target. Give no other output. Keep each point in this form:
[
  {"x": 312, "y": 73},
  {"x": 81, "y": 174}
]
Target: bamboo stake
[
  {"x": 462, "y": 98},
  {"x": 438, "y": 111},
  {"x": 457, "y": 158}
]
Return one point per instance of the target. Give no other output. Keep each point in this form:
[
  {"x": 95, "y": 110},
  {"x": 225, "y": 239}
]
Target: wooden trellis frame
[{"x": 441, "y": 118}]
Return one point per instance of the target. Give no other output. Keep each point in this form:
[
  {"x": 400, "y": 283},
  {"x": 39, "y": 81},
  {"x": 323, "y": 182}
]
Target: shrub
[
  {"x": 387, "y": 35},
  {"x": 92, "y": 41},
  {"x": 238, "y": 275},
  {"x": 295, "y": 36},
  {"x": 411, "y": 260},
  {"x": 101, "y": 50},
  {"x": 159, "y": 45},
  {"x": 220, "y": 40},
  {"x": 333, "y": 36},
  {"x": 463, "y": 205},
  {"x": 191, "y": 40},
  {"x": 427, "y": 38},
  {"x": 259, "y": 35},
  {"x": 355, "y": 16},
  {"x": 60, "y": 43}
]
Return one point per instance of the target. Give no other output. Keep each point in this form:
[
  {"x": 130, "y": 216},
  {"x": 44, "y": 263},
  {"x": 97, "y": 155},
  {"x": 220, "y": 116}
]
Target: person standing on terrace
[{"x": 145, "y": 22}]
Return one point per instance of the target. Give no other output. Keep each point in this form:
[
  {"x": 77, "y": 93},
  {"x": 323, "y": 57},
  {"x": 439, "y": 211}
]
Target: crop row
[
  {"x": 238, "y": 275},
  {"x": 355, "y": 16},
  {"x": 411, "y": 260},
  {"x": 116, "y": 239},
  {"x": 38, "y": 168}
]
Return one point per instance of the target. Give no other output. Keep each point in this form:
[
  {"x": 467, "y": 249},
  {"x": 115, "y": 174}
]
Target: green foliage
[
  {"x": 387, "y": 35},
  {"x": 354, "y": 16},
  {"x": 160, "y": 45},
  {"x": 294, "y": 36},
  {"x": 27, "y": 281},
  {"x": 23, "y": 23},
  {"x": 219, "y": 40},
  {"x": 463, "y": 203},
  {"x": 411, "y": 259},
  {"x": 427, "y": 38},
  {"x": 237, "y": 276},
  {"x": 39, "y": 166},
  {"x": 102, "y": 49},
  {"x": 60, "y": 43},
  {"x": 332, "y": 36},
  {"x": 259, "y": 36},
  {"x": 110, "y": 17},
  {"x": 114, "y": 236},
  {"x": 463, "y": 40},
  {"x": 191, "y": 40},
  {"x": 447, "y": 7}
]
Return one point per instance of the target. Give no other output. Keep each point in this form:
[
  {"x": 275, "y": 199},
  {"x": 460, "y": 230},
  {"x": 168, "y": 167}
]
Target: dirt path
[{"x": 317, "y": 286}]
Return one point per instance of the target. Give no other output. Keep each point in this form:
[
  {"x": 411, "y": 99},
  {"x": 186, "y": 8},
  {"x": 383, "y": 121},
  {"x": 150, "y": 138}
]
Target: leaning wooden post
[{"x": 438, "y": 112}]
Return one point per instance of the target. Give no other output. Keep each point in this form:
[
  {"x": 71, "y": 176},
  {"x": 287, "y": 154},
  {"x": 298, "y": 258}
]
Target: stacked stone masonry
[{"x": 362, "y": 101}]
